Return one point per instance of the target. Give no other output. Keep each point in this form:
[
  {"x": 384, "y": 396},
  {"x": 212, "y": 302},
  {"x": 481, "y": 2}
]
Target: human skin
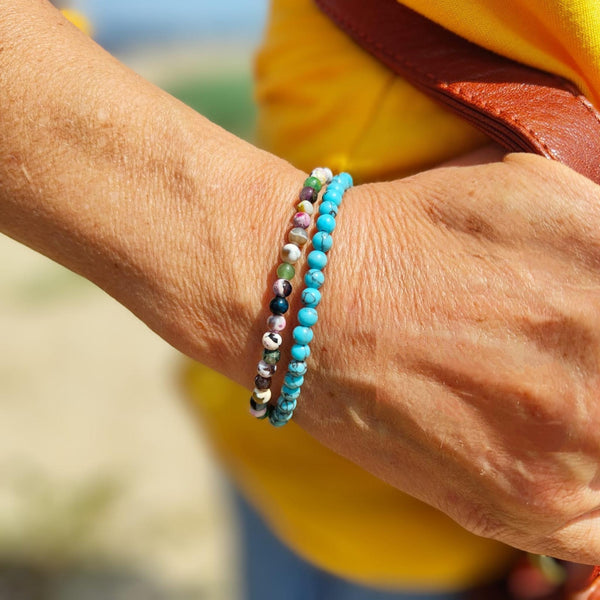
[{"x": 457, "y": 350}]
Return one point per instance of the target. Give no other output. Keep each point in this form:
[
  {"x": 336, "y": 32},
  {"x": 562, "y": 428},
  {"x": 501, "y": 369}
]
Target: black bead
[
  {"x": 279, "y": 306},
  {"x": 262, "y": 383},
  {"x": 255, "y": 405}
]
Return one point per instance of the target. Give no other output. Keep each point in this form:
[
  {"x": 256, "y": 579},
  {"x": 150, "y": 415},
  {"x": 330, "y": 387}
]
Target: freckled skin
[{"x": 468, "y": 375}]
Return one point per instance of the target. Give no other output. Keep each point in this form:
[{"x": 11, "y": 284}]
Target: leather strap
[{"x": 522, "y": 108}]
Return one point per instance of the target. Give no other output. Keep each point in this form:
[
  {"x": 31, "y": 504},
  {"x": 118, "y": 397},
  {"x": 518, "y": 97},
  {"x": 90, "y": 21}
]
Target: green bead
[
  {"x": 286, "y": 271},
  {"x": 271, "y": 357},
  {"x": 313, "y": 182}
]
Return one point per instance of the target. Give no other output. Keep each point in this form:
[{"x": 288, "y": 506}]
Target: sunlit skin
[{"x": 457, "y": 355}]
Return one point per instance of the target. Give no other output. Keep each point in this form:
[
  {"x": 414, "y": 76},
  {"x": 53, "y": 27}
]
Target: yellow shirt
[{"x": 324, "y": 101}]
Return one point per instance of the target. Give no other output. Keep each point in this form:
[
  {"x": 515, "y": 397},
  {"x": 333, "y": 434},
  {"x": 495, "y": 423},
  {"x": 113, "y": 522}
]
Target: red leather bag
[{"x": 524, "y": 110}]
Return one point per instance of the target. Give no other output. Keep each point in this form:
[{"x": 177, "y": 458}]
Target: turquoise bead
[
  {"x": 346, "y": 180},
  {"x": 297, "y": 367},
  {"x": 326, "y": 223},
  {"x": 317, "y": 260},
  {"x": 311, "y": 297},
  {"x": 278, "y": 419},
  {"x": 307, "y": 317},
  {"x": 314, "y": 278},
  {"x": 282, "y": 415},
  {"x": 303, "y": 335},
  {"x": 287, "y": 406},
  {"x": 300, "y": 351},
  {"x": 322, "y": 241},
  {"x": 293, "y": 381},
  {"x": 289, "y": 393},
  {"x": 328, "y": 208},
  {"x": 334, "y": 195}
]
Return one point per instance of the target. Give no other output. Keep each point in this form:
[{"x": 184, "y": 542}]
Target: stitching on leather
[
  {"x": 471, "y": 98},
  {"x": 588, "y": 106},
  {"x": 572, "y": 89}
]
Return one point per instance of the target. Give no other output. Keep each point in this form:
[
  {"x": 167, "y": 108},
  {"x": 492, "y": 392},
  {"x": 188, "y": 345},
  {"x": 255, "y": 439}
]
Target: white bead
[
  {"x": 271, "y": 340},
  {"x": 265, "y": 370},
  {"x": 298, "y": 236},
  {"x": 261, "y": 396},
  {"x": 276, "y": 323},
  {"x": 290, "y": 253},
  {"x": 323, "y": 174},
  {"x": 305, "y": 206}
]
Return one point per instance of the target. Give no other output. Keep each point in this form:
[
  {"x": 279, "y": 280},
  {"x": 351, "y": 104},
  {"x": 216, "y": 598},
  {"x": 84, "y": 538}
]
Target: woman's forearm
[
  {"x": 118, "y": 181},
  {"x": 460, "y": 346}
]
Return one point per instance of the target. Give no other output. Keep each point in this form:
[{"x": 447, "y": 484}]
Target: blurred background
[{"x": 107, "y": 490}]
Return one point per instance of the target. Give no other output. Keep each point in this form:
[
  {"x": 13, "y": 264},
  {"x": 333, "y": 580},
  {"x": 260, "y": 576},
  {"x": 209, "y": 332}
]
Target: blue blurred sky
[{"x": 122, "y": 23}]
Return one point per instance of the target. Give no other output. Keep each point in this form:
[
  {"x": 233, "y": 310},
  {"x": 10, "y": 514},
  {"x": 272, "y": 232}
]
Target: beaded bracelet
[
  {"x": 322, "y": 241},
  {"x": 282, "y": 288}
]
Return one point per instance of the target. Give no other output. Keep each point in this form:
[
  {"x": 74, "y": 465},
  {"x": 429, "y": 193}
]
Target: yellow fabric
[
  {"x": 324, "y": 101},
  {"x": 561, "y": 36},
  {"x": 78, "y": 19}
]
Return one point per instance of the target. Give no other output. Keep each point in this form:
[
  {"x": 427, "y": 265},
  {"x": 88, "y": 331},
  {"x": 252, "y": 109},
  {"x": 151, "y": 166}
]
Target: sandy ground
[{"x": 106, "y": 487}]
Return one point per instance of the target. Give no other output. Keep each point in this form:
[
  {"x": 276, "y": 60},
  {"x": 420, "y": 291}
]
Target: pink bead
[
  {"x": 258, "y": 412},
  {"x": 302, "y": 219},
  {"x": 276, "y": 323}
]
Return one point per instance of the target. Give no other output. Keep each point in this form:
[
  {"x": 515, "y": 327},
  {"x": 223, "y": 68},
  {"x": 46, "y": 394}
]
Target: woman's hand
[{"x": 457, "y": 353}]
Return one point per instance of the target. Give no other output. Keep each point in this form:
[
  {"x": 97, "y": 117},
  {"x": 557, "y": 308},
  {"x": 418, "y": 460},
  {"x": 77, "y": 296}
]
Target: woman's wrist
[
  {"x": 123, "y": 184},
  {"x": 231, "y": 223}
]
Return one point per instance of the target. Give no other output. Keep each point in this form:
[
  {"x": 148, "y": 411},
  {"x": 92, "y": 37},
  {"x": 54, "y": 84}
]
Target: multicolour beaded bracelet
[
  {"x": 322, "y": 242},
  {"x": 282, "y": 288}
]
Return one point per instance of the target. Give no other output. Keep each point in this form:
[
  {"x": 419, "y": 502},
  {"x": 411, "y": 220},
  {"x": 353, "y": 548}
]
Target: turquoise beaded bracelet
[
  {"x": 282, "y": 288},
  {"x": 322, "y": 242}
]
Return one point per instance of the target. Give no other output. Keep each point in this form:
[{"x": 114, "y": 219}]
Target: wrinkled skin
[{"x": 458, "y": 348}]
